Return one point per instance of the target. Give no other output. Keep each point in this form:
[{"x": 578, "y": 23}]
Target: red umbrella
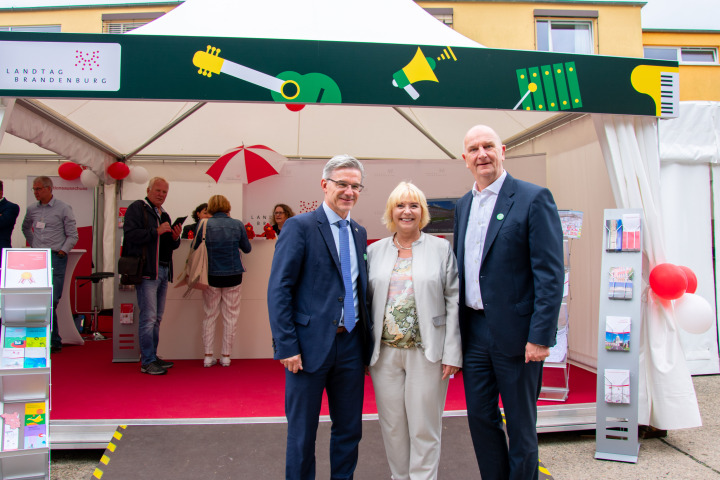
[{"x": 246, "y": 164}]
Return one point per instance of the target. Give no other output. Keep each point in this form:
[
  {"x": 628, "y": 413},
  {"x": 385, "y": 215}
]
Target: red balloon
[
  {"x": 668, "y": 281},
  {"x": 691, "y": 278},
  {"x": 69, "y": 171},
  {"x": 118, "y": 170}
]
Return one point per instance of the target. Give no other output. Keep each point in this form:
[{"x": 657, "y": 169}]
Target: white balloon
[
  {"x": 89, "y": 179},
  {"x": 693, "y": 313},
  {"x": 138, "y": 175}
]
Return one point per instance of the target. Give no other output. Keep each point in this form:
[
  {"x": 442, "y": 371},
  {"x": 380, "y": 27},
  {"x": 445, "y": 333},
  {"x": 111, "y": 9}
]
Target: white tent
[{"x": 93, "y": 132}]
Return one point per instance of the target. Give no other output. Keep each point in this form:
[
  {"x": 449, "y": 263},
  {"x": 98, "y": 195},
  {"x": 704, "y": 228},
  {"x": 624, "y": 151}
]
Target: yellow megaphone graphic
[{"x": 420, "y": 68}]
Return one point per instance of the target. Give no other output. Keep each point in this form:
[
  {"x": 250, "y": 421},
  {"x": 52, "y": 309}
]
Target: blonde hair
[
  {"x": 405, "y": 190},
  {"x": 218, "y": 203}
]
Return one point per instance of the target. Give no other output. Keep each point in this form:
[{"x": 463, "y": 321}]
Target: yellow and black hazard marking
[
  {"x": 544, "y": 472},
  {"x": 112, "y": 446}
]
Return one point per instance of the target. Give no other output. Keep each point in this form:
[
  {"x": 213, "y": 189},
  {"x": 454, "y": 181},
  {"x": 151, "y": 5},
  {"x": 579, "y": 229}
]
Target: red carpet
[{"x": 87, "y": 385}]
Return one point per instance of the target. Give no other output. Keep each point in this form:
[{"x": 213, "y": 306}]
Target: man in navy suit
[
  {"x": 508, "y": 242},
  {"x": 320, "y": 328}
]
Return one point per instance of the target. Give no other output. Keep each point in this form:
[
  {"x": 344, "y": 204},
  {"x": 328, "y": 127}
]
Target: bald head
[{"x": 484, "y": 154}]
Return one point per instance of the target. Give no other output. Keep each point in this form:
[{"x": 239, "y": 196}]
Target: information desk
[{"x": 181, "y": 327}]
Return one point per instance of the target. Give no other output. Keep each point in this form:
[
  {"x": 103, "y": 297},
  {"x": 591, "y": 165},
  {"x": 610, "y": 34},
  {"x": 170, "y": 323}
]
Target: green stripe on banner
[
  {"x": 562, "y": 89},
  {"x": 574, "y": 84},
  {"x": 549, "y": 84},
  {"x": 537, "y": 95},
  {"x": 523, "y": 82}
]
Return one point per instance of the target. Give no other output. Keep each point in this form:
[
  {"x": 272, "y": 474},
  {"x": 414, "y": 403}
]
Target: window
[
  {"x": 686, "y": 55},
  {"x": 124, "y": 22},
  {"x": 445, "y": 15},
  {"x": 32, "y": 28},
  {"x": 564, "y": 36},
  {"x": 566, "y": 31}
]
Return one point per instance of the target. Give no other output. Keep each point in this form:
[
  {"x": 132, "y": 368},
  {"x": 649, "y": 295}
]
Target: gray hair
[
  {"x": 154, "y": 180},
  {"x": 343, "y": 161},
  {"x": 45, "y": 181}
]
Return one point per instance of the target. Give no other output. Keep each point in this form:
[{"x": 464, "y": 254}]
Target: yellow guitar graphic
[{"x": 286, "y": 87}]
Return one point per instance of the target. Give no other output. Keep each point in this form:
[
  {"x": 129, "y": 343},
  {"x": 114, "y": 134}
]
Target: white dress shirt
[
  {"x": 333, "y": 218},
  {"x": 483, "y": 204}
]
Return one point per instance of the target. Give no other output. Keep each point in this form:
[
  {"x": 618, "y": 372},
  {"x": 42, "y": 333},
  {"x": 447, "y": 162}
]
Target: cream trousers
[
  {"x": 410, "y": 396},
  {"x": 216, "y": 300}
]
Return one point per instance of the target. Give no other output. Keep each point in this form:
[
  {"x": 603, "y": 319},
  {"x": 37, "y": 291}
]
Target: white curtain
[{"x": 630, "y": 148}]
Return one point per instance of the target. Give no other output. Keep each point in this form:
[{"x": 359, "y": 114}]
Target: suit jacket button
[{"x": 340, "y": 299}]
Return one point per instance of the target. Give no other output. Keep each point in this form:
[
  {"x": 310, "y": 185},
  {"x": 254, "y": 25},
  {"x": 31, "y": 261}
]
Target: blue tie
[{"x": 348, "y": 304}]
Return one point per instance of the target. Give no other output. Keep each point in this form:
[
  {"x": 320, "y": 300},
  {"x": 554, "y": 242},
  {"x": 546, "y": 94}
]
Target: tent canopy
[{"x": 120, "y": 129}]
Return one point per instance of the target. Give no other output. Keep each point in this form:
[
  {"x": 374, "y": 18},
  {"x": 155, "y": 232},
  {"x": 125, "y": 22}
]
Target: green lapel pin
[{"x": 500, "y": 216}]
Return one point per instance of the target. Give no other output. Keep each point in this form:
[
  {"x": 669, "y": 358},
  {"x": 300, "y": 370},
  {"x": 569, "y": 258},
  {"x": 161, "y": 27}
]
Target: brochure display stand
[
  {"x": 556, "y": 371},
  {"x": 618, "y": 337},
  {"x": 26, "y": 309},
  {"x": 126, "y": 347}
]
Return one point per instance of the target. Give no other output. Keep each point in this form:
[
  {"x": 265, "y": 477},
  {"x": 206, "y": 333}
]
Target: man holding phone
[{"x": 148, "y": 234}]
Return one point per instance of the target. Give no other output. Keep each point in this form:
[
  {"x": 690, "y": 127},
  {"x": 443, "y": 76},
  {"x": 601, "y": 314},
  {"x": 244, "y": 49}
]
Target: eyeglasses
[
  {"x": 36, "y": 189},
  {"x": 356, "y": 187}
]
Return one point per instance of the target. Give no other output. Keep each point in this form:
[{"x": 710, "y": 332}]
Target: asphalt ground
[{"x": 682, "y": 454}]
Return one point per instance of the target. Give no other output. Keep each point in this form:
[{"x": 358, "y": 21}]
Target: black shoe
[
  {"x": 153, "y": 368},
  {"x": 55, "y": 349},
  {"x": 163, "y": 363}
]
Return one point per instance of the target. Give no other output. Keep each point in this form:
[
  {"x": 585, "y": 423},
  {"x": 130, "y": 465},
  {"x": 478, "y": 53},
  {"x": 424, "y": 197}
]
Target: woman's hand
[{"x": 449, "y": 370}]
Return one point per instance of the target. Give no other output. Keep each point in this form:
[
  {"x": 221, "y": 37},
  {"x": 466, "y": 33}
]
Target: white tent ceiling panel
[
  {"x": 315, "y": 132},
  {"x": 123, "y": 125},
  {"x": 12, "y": 145}
]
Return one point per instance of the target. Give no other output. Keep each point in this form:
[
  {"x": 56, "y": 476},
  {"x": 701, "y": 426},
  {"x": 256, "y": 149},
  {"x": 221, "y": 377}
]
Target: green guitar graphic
[{"x": 287, "y": 87}]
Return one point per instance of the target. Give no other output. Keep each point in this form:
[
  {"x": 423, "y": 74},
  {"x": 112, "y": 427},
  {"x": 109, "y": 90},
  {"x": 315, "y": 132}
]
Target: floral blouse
[{"x": 400, "y": 326}]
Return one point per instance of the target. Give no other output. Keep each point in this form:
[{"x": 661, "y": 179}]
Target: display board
[
  {"x": 619, "y": 323},
  {"x": 26, "y": 299}
]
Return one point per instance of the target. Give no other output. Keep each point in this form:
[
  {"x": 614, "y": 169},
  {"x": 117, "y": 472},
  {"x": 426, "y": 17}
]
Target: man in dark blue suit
[
  {"x": 8, "y": 215},
  {"x": 319, "y": 322},
  {"x": 508, "y": 242}
]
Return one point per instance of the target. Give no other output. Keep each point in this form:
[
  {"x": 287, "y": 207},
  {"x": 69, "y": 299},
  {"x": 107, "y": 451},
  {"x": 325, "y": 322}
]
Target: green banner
[{"x": 297, "y": 72}]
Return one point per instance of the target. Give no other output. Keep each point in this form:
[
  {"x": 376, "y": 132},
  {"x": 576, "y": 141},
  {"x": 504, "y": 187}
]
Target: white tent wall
[
  {"x": 689, "y": 156},
  {"x": 14, "y": 173},
  {"x": 578, "y": 179}
]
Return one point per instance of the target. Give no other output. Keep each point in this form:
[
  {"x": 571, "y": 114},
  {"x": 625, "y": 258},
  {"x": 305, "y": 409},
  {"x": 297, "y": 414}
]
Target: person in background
[
  {"x": 50, "y": 223},
  {"x": 8, "y": 216},
  {"x": 148, "y": 233},
  {"x": 225, "y": 237},
  {"x": 281, "y": 212},
  {"x": 198, "y": 214},
  {"x": 508, "y": 242},
  {"x": 320, "y": 326},
  {"x": 413, "y": 296}
]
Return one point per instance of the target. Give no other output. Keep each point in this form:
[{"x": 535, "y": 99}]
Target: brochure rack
[
  {"x": 26, "y": 310},
  {"x": 618, "y": 337},
  {"x": 556, "y": 371},
  {"x": 126, "y": 346}
]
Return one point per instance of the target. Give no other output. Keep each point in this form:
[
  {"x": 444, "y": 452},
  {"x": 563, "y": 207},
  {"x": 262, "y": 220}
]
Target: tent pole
[
  {"x": 165, "y": 129},
  {"x": 427, "y": 134}
]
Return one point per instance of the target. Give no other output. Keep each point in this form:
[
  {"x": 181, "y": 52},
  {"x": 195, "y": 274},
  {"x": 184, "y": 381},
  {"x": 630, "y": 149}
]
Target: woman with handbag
[{"x": 224, "y": 238}]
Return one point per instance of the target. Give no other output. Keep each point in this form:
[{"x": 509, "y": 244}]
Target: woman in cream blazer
[{"x": 413, "y": 295}]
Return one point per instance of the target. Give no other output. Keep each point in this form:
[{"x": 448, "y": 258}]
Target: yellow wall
[
  {"x": 512, "y": 24},
  {"x": 697, "y": 82},
  {"x": 77, "y": 20}
]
